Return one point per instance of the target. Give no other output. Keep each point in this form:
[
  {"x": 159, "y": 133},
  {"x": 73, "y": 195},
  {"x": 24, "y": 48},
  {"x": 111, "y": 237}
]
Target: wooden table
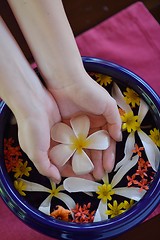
[{"x": 82, "y": 15}]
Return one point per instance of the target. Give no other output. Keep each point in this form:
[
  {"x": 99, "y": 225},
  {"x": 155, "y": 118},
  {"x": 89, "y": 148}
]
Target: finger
[
  {"x": 113, "y": 119},
  {"x": 109, "y": 156},
  {"x": 96, "y": 157},
  {"x": 45, "y": 167}
]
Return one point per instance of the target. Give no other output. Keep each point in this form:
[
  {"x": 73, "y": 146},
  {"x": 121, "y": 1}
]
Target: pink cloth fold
[{"x": 131, "y": 38}]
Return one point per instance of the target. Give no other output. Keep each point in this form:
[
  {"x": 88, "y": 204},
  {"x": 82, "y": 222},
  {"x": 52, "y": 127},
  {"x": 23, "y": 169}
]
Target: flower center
[
  {"x": 130, "y": 122},
  {"x": 79, "y": 143},
  {"x": 54, "y": 192},
  {"x": 104, "y": 192}
]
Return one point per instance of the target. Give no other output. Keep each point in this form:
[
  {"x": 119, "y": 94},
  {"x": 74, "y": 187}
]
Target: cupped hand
[
  {"x": 88, "y": 97},
  {"x": 34, "y": 134}
]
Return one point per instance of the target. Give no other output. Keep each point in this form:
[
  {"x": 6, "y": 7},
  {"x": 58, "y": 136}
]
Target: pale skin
[{"x": 69, "y": 89}]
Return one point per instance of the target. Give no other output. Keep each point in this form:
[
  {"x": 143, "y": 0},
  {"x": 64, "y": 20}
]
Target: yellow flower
[
  {"x": 115, "y": 209},
  {"x": 105, "y": 191},
  {"x": 127, "y": 205},
  {"x": 155, "y": 136},
  {"x": 129, "y": 122},
  {"x": 21, "y": 169},
  {"x": 131, "y": 97},
  {"x": 20, "y": 186},
  {"x": 103, "y": 79}
]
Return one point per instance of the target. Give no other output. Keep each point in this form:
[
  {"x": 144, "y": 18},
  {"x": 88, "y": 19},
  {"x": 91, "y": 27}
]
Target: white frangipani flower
[
  {"x": 53, "y": 192},
  {"x": 104, "y": 191},
  {"x": 151, "y": 150},
  {"x": 74, "y": 141}
]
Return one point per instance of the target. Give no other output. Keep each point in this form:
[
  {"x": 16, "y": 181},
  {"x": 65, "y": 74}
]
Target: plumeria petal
[
  {"x": 34, "y": 187},
  {"x": 75, "y": 184},
  {"x": 123, "y": 170},
  {"x": 62, "y": 133},
  {"x": 99, "y": 140},
  {"x": 81, "y": 163},
  {"x": 143, "y": 109},
  {"x": 80, "y": 124},
  {"x": 151, "y": 150},
  {"x": 61, "y": 153},
  {"x": 128, "y": 150},
  {"x": 101, "y": 212},
  {"x": 132, "y": 192},
  {"x": 46, "y": 205},
  {"x": 70, "y": 203},
  {"x": 118, "y": 96}
]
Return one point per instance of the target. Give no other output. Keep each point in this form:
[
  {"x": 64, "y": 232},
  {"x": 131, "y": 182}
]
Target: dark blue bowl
[{"x": 95, "y": 231}]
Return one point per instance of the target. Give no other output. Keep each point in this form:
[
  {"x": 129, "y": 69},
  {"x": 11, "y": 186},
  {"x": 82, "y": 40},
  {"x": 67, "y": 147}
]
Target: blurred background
[{"x": 82, "y": 15}]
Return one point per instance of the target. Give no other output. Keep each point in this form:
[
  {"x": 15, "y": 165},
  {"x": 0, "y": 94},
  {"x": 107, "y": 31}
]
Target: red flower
[{"x": 83, "y": 214}]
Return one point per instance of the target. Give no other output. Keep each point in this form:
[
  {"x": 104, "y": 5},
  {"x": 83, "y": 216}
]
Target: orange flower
[
  {"x": 121, "y": 111},
  {"x": 138, "y": 150},
  {"x": 61, "y": 213},
  {"x": 131, "y": 180},
  {"x": 12, "y": 154},
  {"x": 83, "y": 214}
]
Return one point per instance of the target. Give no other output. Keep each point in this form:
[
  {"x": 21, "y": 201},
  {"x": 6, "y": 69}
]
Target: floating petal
[
  {"x": 60, "y": 154},
  {"x": 106, "y": 178},
  {"x": 46, "y": 205},
  {"x": 34, "y": 187},
  {"x": 70, "y": 203},
  {"x": 143, "y": 109},
  {"x": 81, "y": 163},
  {"x": 128, "y": 150},
  {"x": 62, "y": 133},
  {"x": 80, "y": 125},
  {"x": 101, "y": 212},
  {"x": 132, "y": 192},
  {"x": 118, "y": 96},
  {"x": 123, "y": 170},
  {"x": 99, "y": 140},
  {"x": 151, "y": 150},
  {"x": 75, "y": 184}
]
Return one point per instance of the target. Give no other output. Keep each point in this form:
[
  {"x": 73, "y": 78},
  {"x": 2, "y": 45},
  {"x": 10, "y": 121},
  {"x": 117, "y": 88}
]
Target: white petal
[
  {"x": 128, "y": 150},
  {"x": 100, "y": 213},
  {"x": 99, "y": 140},
  {"x": 80, "y": 125},
  {"x": 34, "y": 187},
  {"x": 75, "y": 184},
  {"x": 60, "y": 154},
  {"x": 81, "y": 163},
  {"x": 151, "y": 150},
  {"x": 106, "y": 178},
  {"x": 118, "y": 96},
  {"x": 143, "y": 109},
  {"x": 123, "y": 170},
  {"x": 70, "y": 203},
  {"x": 132, "y": 192},
  {"x": 45, "y": 205},
  {"x": 62, "y": 133}
]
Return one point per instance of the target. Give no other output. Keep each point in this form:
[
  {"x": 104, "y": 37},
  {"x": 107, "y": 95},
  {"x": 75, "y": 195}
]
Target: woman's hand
[{"x": 87, "y": 97}]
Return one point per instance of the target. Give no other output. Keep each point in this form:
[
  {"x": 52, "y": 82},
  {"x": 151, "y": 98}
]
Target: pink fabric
[{"x": 131, "y": 38}]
